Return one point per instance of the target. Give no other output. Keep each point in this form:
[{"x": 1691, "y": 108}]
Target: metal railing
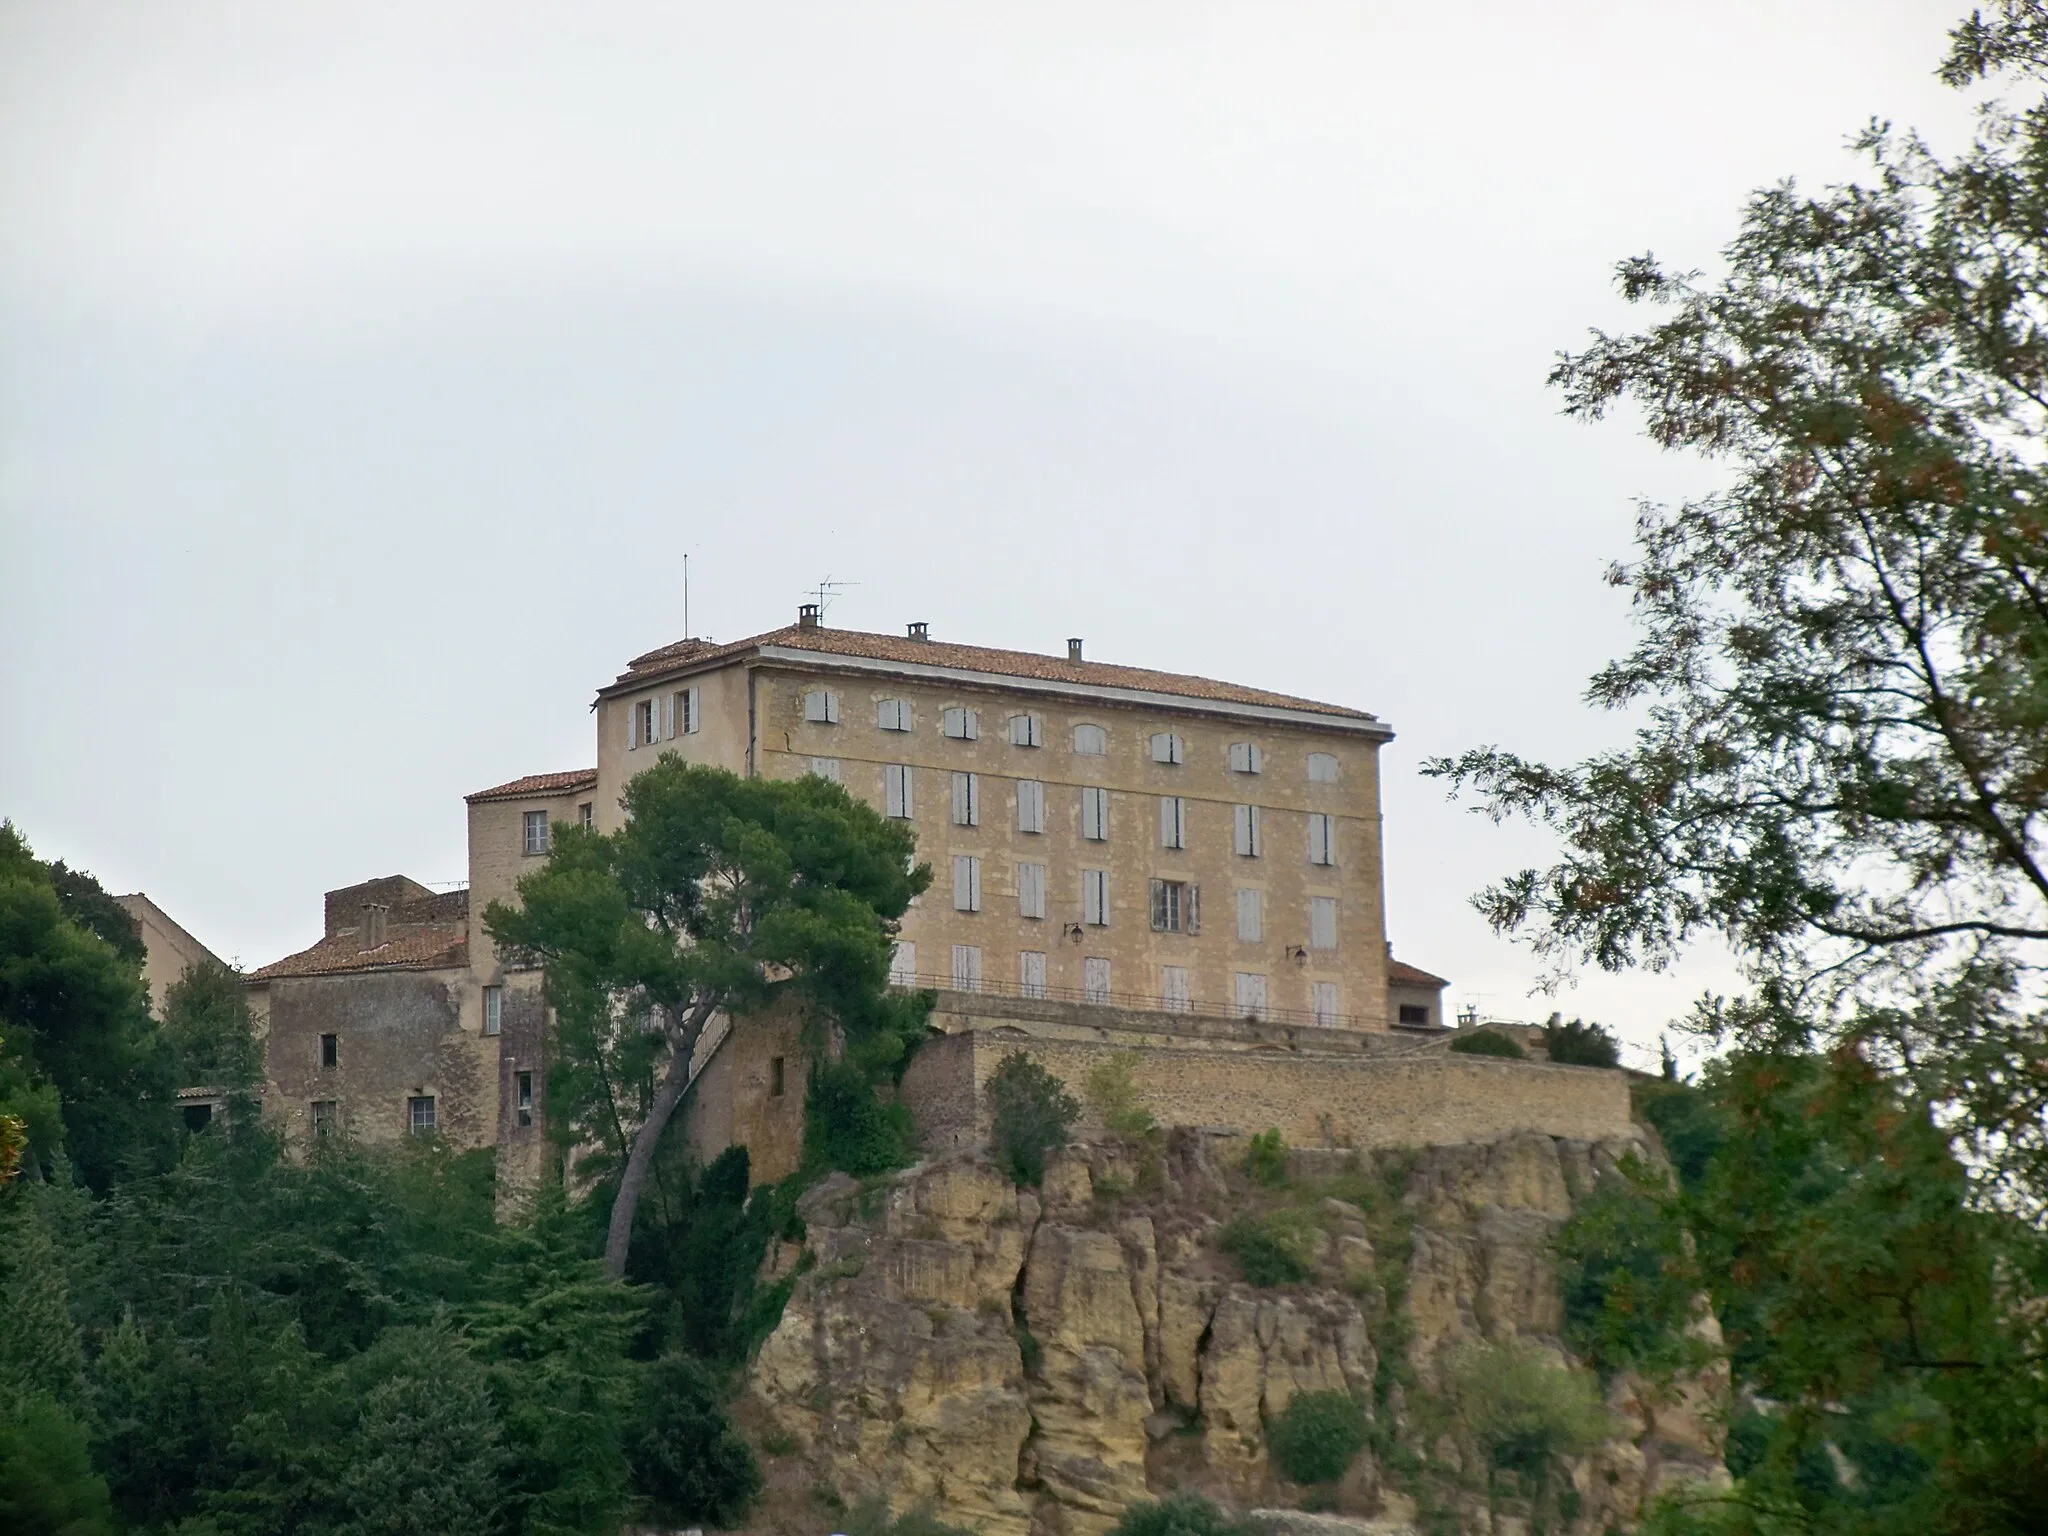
[{"x": 1137, "y": 1002}]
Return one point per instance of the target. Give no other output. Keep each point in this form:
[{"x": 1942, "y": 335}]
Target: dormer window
[
  {"x": 821, "y": 707},
  {"x": 960, "y": 723},
  {"x": 1245, "y": 757},
  {"x": 1167, "y": 747},
  {"x": 1026, "y": 731},
  {"x": 893, "y": 714}
]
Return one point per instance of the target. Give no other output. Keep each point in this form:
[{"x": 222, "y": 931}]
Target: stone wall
[{"x": 1431, "y": 1098}]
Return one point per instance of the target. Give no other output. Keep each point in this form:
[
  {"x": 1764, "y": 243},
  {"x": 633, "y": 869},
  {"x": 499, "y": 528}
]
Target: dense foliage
[
  {"x": 1031, "y": 1114},
  {"x": 1575, "y": 1043},
  {"x": 1317, "y": 1436},
  {"x": 1179, "y": 1514},
  {"x": 1487, "y": 1042}
]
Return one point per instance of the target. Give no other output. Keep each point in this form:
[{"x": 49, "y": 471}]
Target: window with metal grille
[{"x": 420, "y": 1114}]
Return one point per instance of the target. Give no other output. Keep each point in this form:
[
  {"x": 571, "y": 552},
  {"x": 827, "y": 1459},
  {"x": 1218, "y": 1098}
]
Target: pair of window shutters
[
  {"x": 966, "y": 883},
  {"x": 896, "y": 787},
  {"x": 966, "y": 799},
  {"x": 1031, "y": 890},
  {"x": 1030, "y": 806},
  {"x": 1245, "y": 831},
  {"x": 1173, "y": 822}
]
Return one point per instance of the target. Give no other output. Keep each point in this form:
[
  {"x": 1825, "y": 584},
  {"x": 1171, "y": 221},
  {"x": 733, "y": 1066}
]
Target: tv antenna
[{"x": 826, "y": 590}]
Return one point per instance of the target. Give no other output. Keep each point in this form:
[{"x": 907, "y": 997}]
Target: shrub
[
  {"x": 688, "y": 1461},
  {"x": 1179, "y": 1514},
  {"x": 1271, "y": 1250},
  {"x": 1112, "y": 1093},
  {"x": 1488, "y": 1042},
  {"x": 1266, "y": 1158},
  {"x": 846, "y": 1126},
  {"x": 1033, "y": 1112},
  {"x": 1579, "y": 1044},
  {"x": 1317, "y": 1436},
  {"x": 870, "y": 1517},
  {"x": 1525, "y": 1407}
]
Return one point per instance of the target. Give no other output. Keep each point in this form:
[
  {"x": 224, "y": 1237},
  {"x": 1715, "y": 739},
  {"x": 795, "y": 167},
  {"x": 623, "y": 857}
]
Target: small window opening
[{"x": 330, "y": 1050}]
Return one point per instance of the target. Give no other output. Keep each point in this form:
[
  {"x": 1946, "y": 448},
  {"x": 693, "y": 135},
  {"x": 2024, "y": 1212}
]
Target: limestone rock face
[{"x": 1030, "y": 1362}]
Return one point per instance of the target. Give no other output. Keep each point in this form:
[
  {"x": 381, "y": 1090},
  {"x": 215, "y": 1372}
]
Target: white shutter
[
  {"x": 1090, "y": 741},
  {"x": 962, "y": 801},
  {"x": 903, "y": 964},
  {"x": 966, "y": 883},
  {"x": 1322, "y": 922},
  {"x": 1031, "y": 972},
  {"x": 1095, "y": 979},
  {"x": 826, "y": 768},
  {"x": 1031, "y": 890},
  {"x": 1095, "y": 815},
  {"x": 1173, "y": 988},
  {"x": 896, "y": 787},
  {"x": 1173, "y": 822},
  {"x": 1251, "y": 995},
  {"x": 1251, "y": 915},
  {"x": 693, "y": 715},
  {"x": 966, "y": 967},
  {"x": 633, "y": 727},
  {"x": 1321, "y": 840},
  {"x": 1095, "y": 897},
  {"x": 1030, "y": 806},
  {"x": 1322, "y": 768},
  {"x": 668, "y": 718},
  {"x": 1323, "y": 995}
]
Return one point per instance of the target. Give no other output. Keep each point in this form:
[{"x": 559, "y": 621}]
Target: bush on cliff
[
  {"x": 1317, "y": 1436},
  {"x": 1488, "y": 1042},
  {"x": 1179, "y": 1514},
  {"x": 1274, "y": 1249},
  {"x": 1033, "y": 1112}
]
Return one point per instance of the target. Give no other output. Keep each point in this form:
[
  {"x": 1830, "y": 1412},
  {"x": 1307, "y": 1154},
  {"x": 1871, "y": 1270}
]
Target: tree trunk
[{"x": 674, "y": 1082}]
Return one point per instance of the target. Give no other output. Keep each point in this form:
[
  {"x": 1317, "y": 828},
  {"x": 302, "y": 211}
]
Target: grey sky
[{"x": 366, "y": 371}]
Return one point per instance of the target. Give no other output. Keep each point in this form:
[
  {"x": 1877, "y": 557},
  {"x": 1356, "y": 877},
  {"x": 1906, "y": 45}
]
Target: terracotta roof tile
[
  {"x": 535, "y": 785},
  {"x": 1402, "y": 974},
  {"x": 407, "y": 949},
  {"x": 690, "y": 655}
]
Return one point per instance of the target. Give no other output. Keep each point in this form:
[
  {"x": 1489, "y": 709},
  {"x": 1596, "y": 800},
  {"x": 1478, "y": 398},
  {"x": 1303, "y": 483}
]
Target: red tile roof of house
[
  {"x": 536, "y": 785},
  {"x": 433, "y": 948},
  {"x": 693, "y": 655},
  {"x": 1402, "y": 974}
]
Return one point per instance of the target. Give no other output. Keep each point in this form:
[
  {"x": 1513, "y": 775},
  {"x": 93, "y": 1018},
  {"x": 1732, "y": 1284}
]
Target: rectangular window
[
  {"x": 960, "y": 723},
  {"x": 1031, "y": 972},
  {"x": 903, "y": 964},
  {"x": 1167, "y": 747},
  {"x": 686, "y": 716},
  {"x": 536, "y": 827},
  {"x": 324, "y": 1117},
  {"x": 777, "y": 1082},
  {"x": 1245, "y": 757},
  {"x": 646, "y": 729},
  {"x": 1095, "y": 979},
  {"x": 1415, "y": 1014},
  {"x": 1246, "y": 831},
  {"x": 893, "y": 714},
  {"x": 966, "y": 799},
  {"x": 1251, "y": 995},
  {"x": 1322, "y": 838},
  {"x": 1322, "y": 922},
  {"x": 1090, "y": 741},
  {"x": 1169, "y": 905},
  {"x": 966, "y": 883},
  {"x": 1251, "y": 915},
  {"x": 494, "y": 1010},
  {"x": 1173, "y": 988},
  {"x": 825, "y": 768},
  {"x": 1173, "y": 821},
  {"x": 420, "y": 1114},
  {"x": 1026, "y": 730},
  {"x": 1095, "y": 815},
  {"x": 1031, "y": 890},
  {"x": 330, "y": 1050},
  {"x": 821, "y": 707},
  {"x": 1095, "y": 897},
  {"x": 896, "y": 783},
  {"x": 522, "y": 1102},
  {"x": 1322, "y": 768},
  {"x": 585, "y": 816},
  {"x": 966, "y": 968},
  {"x": 1323, "y": 1003},
  {"x": 1030, "y": 806}
]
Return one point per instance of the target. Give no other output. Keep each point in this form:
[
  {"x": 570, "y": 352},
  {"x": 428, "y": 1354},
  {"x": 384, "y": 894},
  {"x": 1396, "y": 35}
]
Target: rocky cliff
[{"x": 1030, "y": 1361}]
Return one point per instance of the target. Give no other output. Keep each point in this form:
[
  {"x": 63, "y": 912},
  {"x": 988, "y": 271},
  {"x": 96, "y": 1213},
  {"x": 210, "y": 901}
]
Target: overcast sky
[{"x": 366, "y": 372}]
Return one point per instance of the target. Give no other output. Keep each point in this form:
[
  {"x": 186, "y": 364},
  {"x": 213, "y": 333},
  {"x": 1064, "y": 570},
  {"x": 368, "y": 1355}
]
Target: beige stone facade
[{"x": 168, "y": 950}]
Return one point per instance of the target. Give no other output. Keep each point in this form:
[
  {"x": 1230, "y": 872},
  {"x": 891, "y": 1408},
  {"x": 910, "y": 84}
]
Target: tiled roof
[
  {"x": 407, "y": 949},
  {"x": 535, "y": 785},
  {"x": 1402, "y": 974},
  {"x": 691, "y": 655}
]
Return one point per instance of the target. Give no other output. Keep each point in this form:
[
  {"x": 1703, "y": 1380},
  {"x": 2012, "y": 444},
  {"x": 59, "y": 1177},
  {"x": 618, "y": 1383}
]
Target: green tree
[
  {"x": 75, "y": 1029},
  {"x": 206, "y": 1021},
  {"x": 718, "y": 895},
  {"x": 1317, "y": 1436},
  {"x": 688, "y": 1461},
  {"x": 1576, "y": 1043},
  {"x": 1031, "y": 1114},
  {"x": 427, "y": 1451}
]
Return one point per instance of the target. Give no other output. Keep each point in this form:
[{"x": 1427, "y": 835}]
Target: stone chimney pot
[{"x": 1074, "y": 649}]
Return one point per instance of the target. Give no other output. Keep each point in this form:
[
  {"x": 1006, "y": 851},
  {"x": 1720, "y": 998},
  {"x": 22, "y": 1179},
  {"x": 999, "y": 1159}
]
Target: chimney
[
  {"x": 373, "y": 935},
  {"x": 1074, "y": 648},
  {"x": 807, "y": 616},
  {"x": 920, "y": 630}
]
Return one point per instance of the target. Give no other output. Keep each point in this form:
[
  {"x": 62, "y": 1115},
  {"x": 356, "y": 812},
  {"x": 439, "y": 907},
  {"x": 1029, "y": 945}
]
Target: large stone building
[{"x": 1121, "y": 855}]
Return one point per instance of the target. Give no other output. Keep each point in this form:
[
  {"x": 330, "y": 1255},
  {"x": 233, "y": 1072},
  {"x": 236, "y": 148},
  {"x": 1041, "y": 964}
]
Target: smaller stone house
[
  {"x": 382, "y": 1029},
  {"x": 1415, "y": 999}
]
